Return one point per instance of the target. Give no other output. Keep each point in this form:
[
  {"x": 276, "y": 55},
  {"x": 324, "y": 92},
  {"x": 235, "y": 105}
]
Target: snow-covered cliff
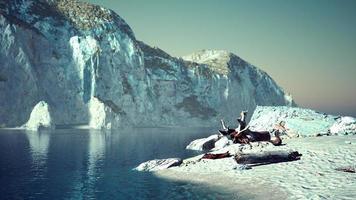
[{"x": 66, "y": 53}]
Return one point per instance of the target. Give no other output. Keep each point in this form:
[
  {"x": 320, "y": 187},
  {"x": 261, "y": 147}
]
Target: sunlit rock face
[
  {"x": 103, "y": 115},
  {"x": 66, "y": 52},
  {"x": 40, "y": 118},
  {"x": 210, "y": 85}
]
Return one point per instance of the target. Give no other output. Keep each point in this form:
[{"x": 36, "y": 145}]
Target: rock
[
  {"x": 322, "y": 134},
  {"x": 40, "y": 118},
  {"x": 221, "y": 143},
  {"x": 203, "y": 144},
  {"x": 71, "y": 51},
  {"x": 300, "y": 122},
  {"x": 344, "y": 125},
  {"x": 158, "y": 164}
]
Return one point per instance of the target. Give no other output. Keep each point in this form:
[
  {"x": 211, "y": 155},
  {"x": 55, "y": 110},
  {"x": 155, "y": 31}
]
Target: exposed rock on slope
[
  {"x": 40, "y": 118},
  {"x": 66, "y": 52},
  {"x": 200, "y": 93}
]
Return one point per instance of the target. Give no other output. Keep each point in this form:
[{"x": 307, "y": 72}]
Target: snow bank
[
  {"x": 301, "y": 122},
  {"x": 315, "y": 176},
  {"x": 344, "y": 125}
]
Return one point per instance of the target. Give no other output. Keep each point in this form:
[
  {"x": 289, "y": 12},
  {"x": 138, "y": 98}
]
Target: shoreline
[
  {"x": 227, "y": 183},
  {"x": 314, "y": 176}
]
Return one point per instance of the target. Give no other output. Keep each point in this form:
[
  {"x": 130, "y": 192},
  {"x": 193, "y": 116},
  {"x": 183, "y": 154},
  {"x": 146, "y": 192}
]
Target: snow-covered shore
[
  {"x": 326, "y": 144},
  {"x": 314, "y": 176}
]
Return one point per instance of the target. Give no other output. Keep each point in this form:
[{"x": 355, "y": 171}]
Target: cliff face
[{"x": 67, "y": 52}]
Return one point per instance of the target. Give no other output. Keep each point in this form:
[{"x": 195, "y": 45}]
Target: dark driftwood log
[
  {"x": 267, "y": 157},
  {"x": 348, "y": 169},
  {"x": 216, "y": 156}
]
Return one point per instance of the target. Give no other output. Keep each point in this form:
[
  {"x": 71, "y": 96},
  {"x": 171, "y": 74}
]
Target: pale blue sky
[{"x": 307, "y": 46}]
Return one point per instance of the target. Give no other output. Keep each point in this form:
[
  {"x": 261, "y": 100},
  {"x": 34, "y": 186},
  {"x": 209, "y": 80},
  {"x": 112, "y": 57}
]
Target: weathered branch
[
  {"x": 267, "y": 157},
  {"x": 243, "y": 116},
  {"x": 223, "y": 124},
  {"x": 239, "y": 133}
]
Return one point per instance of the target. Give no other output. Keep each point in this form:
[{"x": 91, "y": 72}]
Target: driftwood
[
  {"x": 348, "y": 169},
  {"x": 243, "y": 135},
  {"x": 267, "y": 157},
  {"x": 216, "y": 156}
]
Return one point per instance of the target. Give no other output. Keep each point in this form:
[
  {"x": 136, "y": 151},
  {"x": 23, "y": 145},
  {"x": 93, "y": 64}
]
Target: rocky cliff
[{"x": 69, "y": 54}]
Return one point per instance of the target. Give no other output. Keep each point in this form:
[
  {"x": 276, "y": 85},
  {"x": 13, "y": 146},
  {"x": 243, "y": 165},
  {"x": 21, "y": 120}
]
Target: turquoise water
[{"x": 87, "y": 164}]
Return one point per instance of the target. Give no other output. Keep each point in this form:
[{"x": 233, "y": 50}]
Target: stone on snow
[
  {"x": 203, "y": 144},
  {"x": 158, "y": 164}
]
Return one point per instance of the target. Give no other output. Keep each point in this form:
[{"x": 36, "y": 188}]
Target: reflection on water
[
  {"x": 96, "y": 156},
  {"x": 88, "y": 164},
  {"x": 39, "y": 143}
]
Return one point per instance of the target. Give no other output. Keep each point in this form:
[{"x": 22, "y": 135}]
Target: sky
[{"x": 307, "y": 46}]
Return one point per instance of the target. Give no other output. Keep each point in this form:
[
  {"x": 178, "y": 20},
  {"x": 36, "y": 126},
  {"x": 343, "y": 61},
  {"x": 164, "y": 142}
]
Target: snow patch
[
  {"x": 300, "y": 121},
  {"x": 344, "y": 125},
  {"x": 289, "y": 99},
  {"x": 226, "y": 91}
]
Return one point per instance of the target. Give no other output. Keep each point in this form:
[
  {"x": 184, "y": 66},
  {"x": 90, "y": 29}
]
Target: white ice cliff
[
  {"x": 102, "y": 116},
  {"x": 68, "y": 53},
  {"x": 40, "y": 118}
]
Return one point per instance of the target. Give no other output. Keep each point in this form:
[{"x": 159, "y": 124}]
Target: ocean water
[{"x": 88, "y": 164}]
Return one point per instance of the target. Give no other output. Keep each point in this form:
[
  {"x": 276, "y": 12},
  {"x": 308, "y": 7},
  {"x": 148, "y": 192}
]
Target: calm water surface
[{"x": 87, "y": 164}]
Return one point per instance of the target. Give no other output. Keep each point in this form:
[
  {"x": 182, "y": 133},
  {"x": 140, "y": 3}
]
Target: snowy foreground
[
  {"x": 327, "y": 144},
  {"x": 313, "y": 177}
]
